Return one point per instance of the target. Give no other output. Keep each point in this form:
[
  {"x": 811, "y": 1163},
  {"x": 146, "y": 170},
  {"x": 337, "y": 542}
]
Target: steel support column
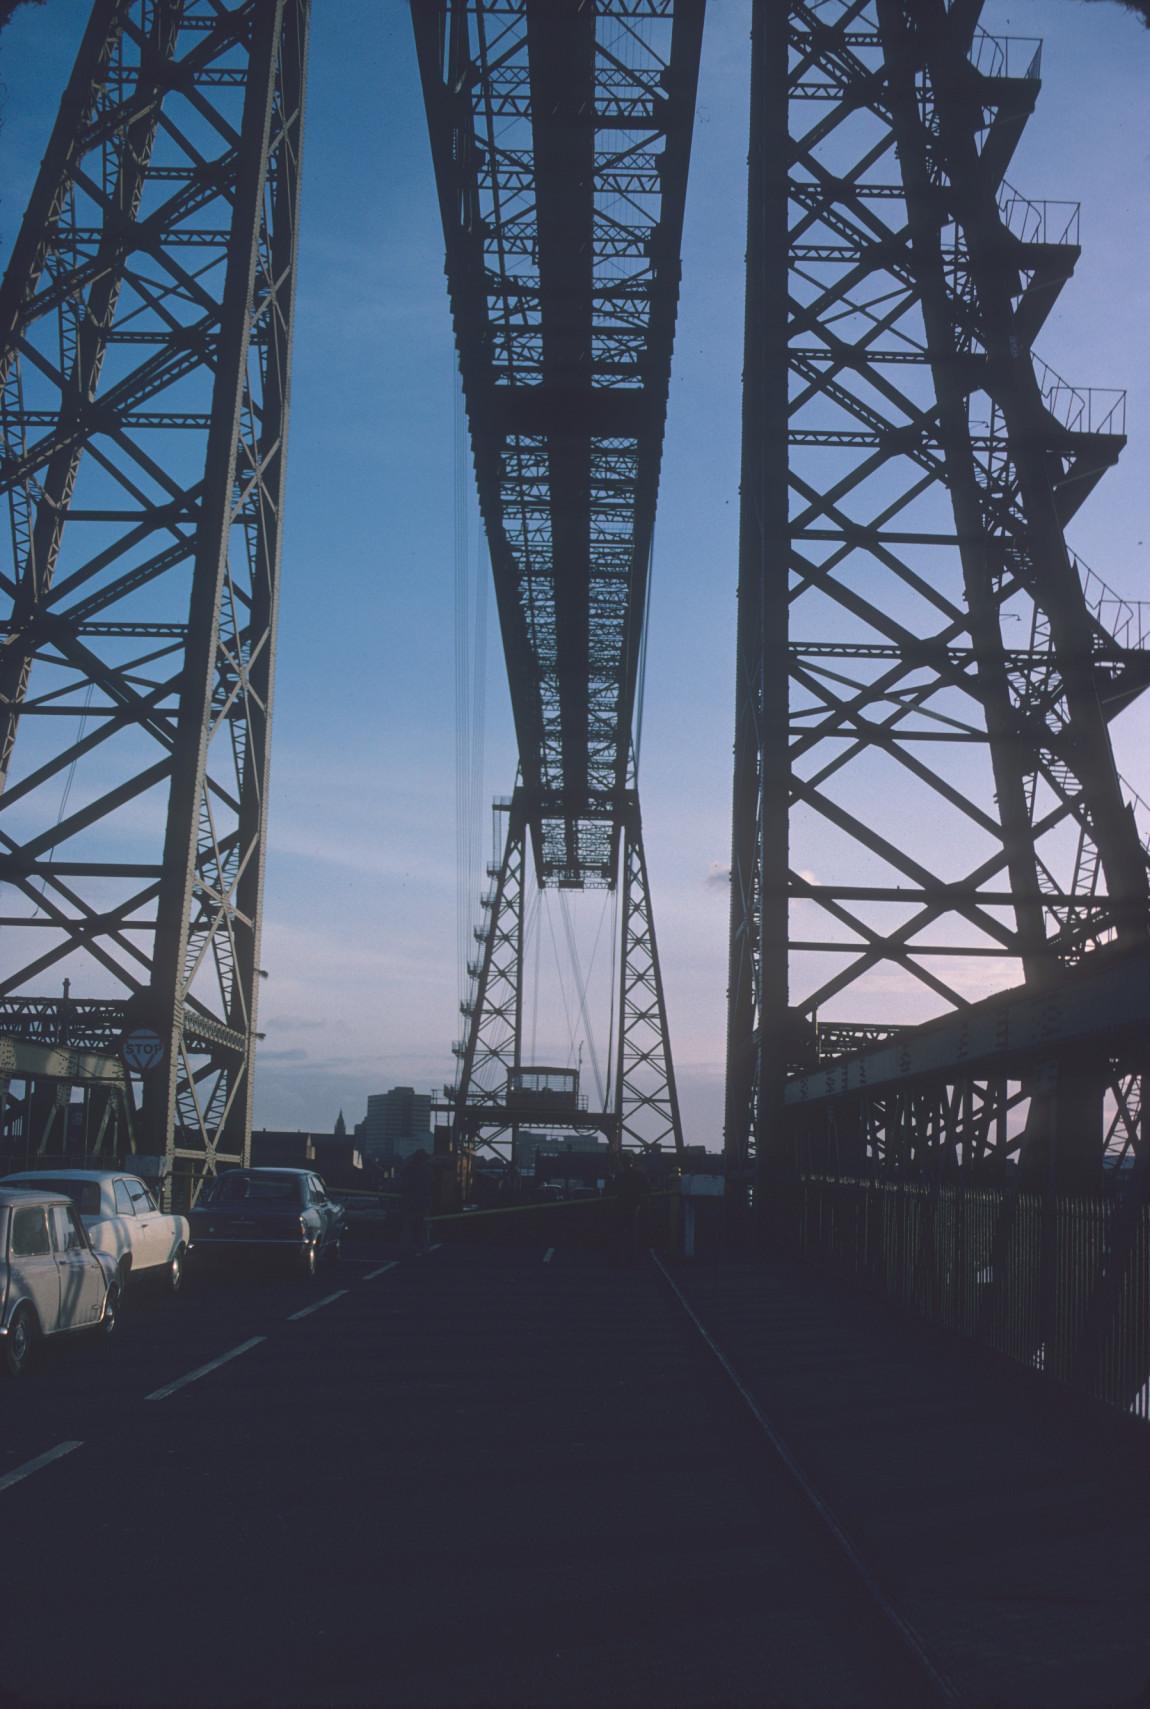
[
  {"x": 146, "y": 322},
  {"x": 494, "y": 1012},
  {"x": 758, "y": 974},
  {"x": 642, "y": 1111},
  {"x": 646, "y": 1097},
  {"x": 956, "y": 820}
]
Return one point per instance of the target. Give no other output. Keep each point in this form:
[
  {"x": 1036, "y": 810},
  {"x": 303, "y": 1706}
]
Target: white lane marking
[
  {"x": 30, "y": 1466},
  {"x": 294, "y": 1316},
  {"x": 214, "y": 1364},
  {"x": 436, "y": 1247},
  {"x": 382, "y": 1271},
  {"x": 548, "y": 1255}
]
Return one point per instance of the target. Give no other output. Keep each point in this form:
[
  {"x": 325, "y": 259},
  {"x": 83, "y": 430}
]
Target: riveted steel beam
[{"x": 146, "y": 322}]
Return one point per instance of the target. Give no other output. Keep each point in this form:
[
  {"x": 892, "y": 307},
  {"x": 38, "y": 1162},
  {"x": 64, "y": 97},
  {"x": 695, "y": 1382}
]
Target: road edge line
[{"x": 943, "y": 1686}]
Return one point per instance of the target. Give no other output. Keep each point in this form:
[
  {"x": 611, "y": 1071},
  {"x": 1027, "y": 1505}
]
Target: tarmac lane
[
  {"x": 472, "y": 1477},
  {"x": 83, "y": 1383},
  {"x": 1006, "y": 1518}
]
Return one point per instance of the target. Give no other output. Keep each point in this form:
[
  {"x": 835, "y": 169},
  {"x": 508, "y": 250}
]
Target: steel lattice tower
[
  {"x": 561, "y": 133},
  {"x": 146, "y": 321},
  {"x": 924, "y": 786}
]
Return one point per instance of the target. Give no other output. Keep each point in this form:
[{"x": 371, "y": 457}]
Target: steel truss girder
[
  {"x": 643, "y": 1113},
  {"x": 938, "y": 1131},
  {"x": 921, "y": 464},
  {"x": 146, "y": 317},
  {"x": 560, "y": 135},
  {"x": 35, "y": 1124},
  {"x": 1074, "y": 1046}
]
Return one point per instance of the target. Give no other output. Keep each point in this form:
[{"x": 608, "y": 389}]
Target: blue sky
[{"x": 361, "y": 922}]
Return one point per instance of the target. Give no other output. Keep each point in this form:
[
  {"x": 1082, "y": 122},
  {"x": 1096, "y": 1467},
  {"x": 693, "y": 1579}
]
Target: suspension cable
[
  {"x": 581, "y": 986},
  {"x": 562, "y": 982}
]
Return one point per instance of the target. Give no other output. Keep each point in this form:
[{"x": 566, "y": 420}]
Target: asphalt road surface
[{"x": 473, "y": 1477}]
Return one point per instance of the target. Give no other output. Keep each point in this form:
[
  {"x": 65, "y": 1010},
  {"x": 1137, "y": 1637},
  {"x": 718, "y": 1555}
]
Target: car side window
[
  {"x": 318, "y": 1191},
  {"x": 124, "y": 1205},
  {"x": 66, "y": 1234},
  {"x": 30, "y": 1232},
  {"x": 141, "y": 1198}
]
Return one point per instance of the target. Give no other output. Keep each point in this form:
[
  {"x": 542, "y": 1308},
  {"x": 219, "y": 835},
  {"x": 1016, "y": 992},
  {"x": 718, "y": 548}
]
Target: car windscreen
[
  {"x": 231, "y": 1189},
  {"x": 85, "y": 1195}
]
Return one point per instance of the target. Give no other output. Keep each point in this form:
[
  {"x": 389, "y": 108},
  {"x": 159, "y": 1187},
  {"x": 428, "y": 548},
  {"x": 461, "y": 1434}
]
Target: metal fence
[{"x": 1061, "y": 1286}]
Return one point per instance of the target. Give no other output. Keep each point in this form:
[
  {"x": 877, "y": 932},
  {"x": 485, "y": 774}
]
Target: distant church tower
[{"x": 340, "y": 1126}]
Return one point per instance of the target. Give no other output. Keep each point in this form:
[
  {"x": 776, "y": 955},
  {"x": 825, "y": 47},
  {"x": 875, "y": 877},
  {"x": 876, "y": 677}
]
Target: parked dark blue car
[{"x": 285, "y": 1211}]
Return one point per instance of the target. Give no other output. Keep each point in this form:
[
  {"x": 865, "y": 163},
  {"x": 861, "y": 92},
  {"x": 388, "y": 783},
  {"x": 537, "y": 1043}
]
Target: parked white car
[
  {"x": 121, "y": 1218},
  {"x": 51, "y": 1281}
]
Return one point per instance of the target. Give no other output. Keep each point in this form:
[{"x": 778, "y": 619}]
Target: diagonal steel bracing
[
  {"x": 642, "y": 1105},
  {"x": 646, "y": 1097},
  {"x": 926, "y": 806},
  {"x": 146, "y": 318},
  {"x": 560, "y": 135}
]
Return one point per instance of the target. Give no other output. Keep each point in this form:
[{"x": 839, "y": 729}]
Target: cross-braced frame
[
  {"x": 146, "y": 319},
  {"x": 641, "y": 1106},
  {"x": 926, "y": 804}
]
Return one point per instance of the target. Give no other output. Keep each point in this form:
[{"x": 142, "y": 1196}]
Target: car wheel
[
  {"x": 308, "y": 1260},
  {"x": 176, "y": 1270},
  {"x": 335, "y": 1251},
  {"x": 20, "y": 1340},
  {"x": 122, "y": 1274},
  {"x": 111, "y": 1315}
]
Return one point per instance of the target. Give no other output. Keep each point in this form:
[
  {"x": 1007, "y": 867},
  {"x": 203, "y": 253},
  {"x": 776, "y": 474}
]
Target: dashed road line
[
  {"x": 202, "y": 1371},
  {"x": 548, "y": 1255},
  {"x": 436, "y": 1247},
  {"x": 382, "y": 1271},
  {"x": 294, "y": 1316},
  {"x": 25, "y": 1471}
]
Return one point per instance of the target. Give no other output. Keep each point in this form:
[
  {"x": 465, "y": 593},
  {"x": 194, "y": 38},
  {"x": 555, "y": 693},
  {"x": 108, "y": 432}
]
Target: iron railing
[
  {"x": 1038, "y": 222},
  {"x": 1007, "y": 56},
  {"x": 1061, "y": 1286},
  {"x": 1081, "y": 409}
]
